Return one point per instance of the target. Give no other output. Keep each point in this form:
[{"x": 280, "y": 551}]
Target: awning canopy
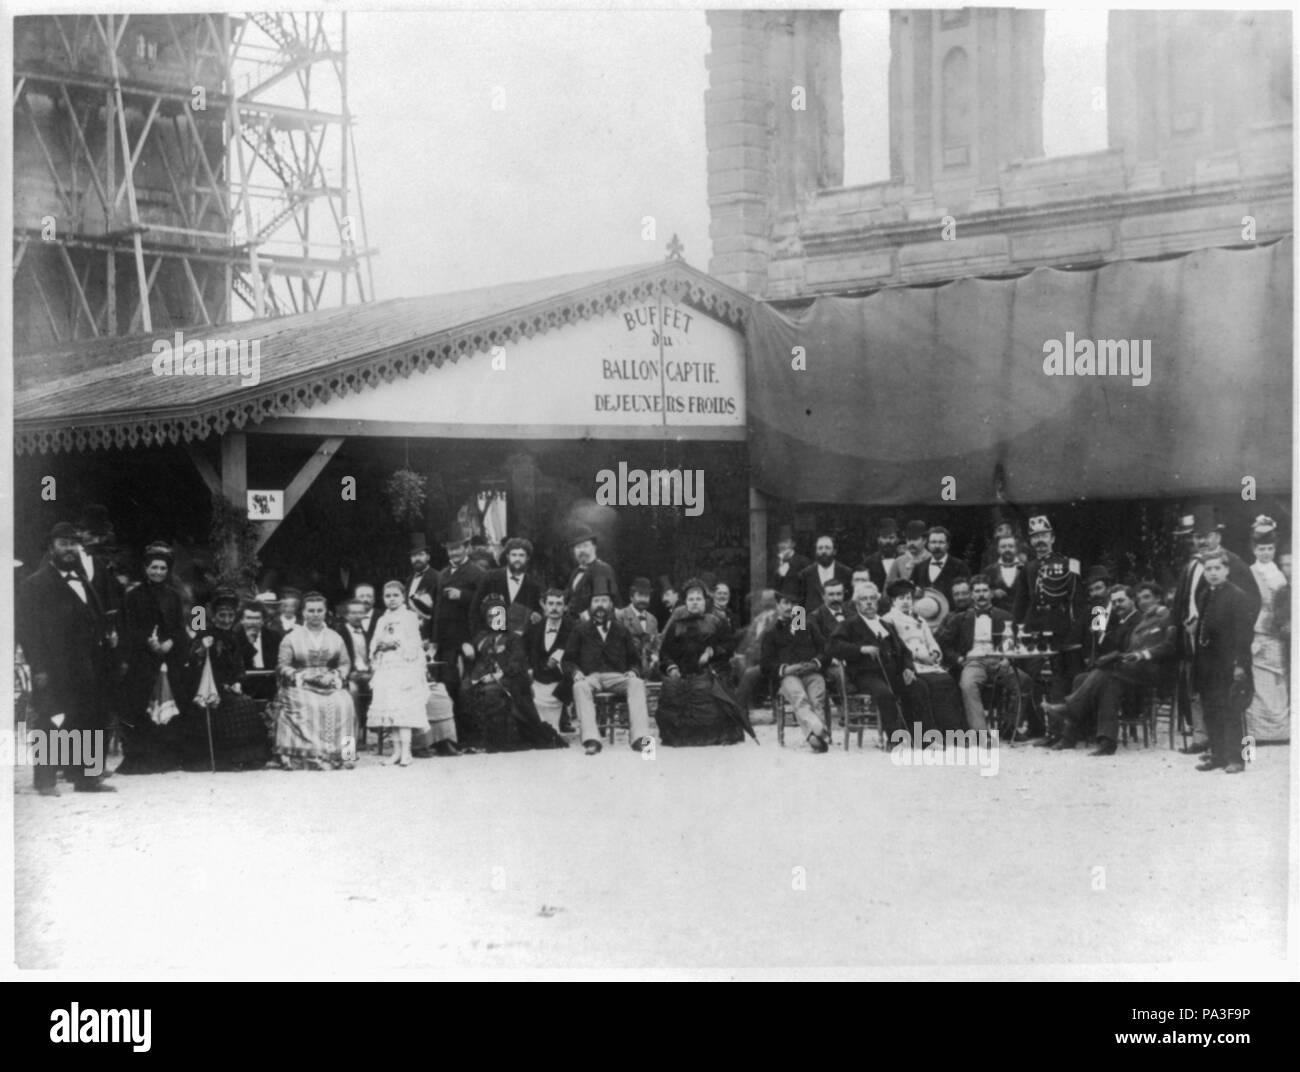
[{"x": 910, "y": 386}]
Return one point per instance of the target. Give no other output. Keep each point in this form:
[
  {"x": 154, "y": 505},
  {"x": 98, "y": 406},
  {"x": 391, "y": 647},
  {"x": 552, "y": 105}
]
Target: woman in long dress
[
  {"x": 239, "y": 734},
  {"x": 315, "y": 722},
  {"x": 398, "y": 689},
  {"x": 941, "y": 692},
  {"x": 695, "y": 705},
  {"x": 1269, "y": 716},
  {"x": 156, "y": 646}
]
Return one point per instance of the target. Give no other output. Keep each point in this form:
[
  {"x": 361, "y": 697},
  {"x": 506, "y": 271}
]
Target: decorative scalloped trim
[{"x": 283, "y": 398}]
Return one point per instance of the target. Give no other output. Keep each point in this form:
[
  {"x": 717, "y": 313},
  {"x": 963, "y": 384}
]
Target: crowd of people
[{"x": 483, "y": 656}]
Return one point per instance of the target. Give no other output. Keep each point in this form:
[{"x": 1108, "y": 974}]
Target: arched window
[{"x": 957, "y": 99}]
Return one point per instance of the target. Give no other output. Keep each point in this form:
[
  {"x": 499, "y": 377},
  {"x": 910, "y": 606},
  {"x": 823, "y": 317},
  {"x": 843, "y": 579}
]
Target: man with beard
[
  {"x": 545, "y": 642},
  {"x": 824, "y": 569},
  {"x": 637, "y": 620},
  {"x": 63, "y": 632},
  {"x": 789, "y": 563},
  {"x": 827, "y": 618},
  {"x": 259, "y": 649},
  {"x": 365, "y": 594},
  {"x": 941, "y": 569},
  {"x": 877, "y": 662},
  {"x": 512, "y": 582},
  {"x": 913, "y": 553},
  {"x": 589, "y": 575},
  {"x": 975, "y": 637},
  {"x": 1003, "y": 574},
  {"x": 879, "y": 563},
  {"x": 1050, "y": 597},
  {"x": 601, "y": 657},
  {"x": 1222, "y": 662},
  {"x": 422, "y": 586},
  {"x": 793, "y": 658},
  {"x": 1140, "y": 639}
]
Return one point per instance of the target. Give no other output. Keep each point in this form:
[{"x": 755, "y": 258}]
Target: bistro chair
[
  {"x": 857, "y": 714},
  {"x": 612, "y": 715}
]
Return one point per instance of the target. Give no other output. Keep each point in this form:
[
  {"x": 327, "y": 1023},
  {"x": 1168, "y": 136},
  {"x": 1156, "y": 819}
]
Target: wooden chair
[
  {"x": 857, "y": 714},
  {"x": 1135, "y": 715},
  {"x": 783, "y": 713},
  {"x": 612, "y": 715}
]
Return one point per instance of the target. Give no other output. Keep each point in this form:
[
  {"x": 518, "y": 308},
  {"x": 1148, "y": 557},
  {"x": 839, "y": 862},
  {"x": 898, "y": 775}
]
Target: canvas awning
[{"x": 911, "y": 385}]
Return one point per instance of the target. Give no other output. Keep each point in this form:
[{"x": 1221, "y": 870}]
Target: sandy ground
[{"x": 743, "y": 857}]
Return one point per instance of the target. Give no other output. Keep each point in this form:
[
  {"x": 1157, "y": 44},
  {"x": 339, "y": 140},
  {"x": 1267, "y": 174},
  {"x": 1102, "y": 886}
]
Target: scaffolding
[{"x": 178, "y": 170}]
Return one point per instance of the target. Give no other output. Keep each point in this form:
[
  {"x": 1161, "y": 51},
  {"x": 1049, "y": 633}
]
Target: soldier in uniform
[{"x": 1049, "y": 596}]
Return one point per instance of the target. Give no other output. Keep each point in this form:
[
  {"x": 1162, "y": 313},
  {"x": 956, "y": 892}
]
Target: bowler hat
[
  {"x": 1098, "y": 573},
  {"x": 886, "y": 526},
  {"x": 455, "y": 535},
  {"x": 790, "y": 589},
  {"x": 915, "y": 530},
  {"x": 641, "y": 584},
  {"x": 94, "y": 519},
  {"x": 582, "y": 536},
  {"x": 64, "y": 530}
]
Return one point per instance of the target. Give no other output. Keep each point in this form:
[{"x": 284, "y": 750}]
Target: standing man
[
  {"x": 511, "y": 582},
  {"x": 422, "y": 586},
  {"x": 545, "y": 642},
  {"x": 1221, "y": 665},
  {"x": 913, "y": 553},
  {"x": 942, "y": 569},
  {"x": 789, "y": 563},
  {"x": 600, "y": 657},
  {"x": 353, "y": 631},
  {"x": 881, "y": 561},
  {"x": 365, "y": 592},
  {"x": 824, "y": 569},
  {"x": 637, "y": 620},
  {"x": 62, "y": 628},
  {"x": 1049, "y": 597},
  {"x": 1003, "y": 574},
  {"x": 452, "y": 628},
  {"x": 589, "y": 575}
]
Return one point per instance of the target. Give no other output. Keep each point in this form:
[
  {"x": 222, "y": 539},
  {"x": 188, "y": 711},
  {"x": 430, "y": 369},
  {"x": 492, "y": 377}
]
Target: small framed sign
[{"x": 266, "y": 506}]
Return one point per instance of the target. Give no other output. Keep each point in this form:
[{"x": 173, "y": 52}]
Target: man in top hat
[
  {"x": 422, "y": 585},
  {"x": 1005, "y": 571},
  {"x": 1205, "y": 533},
  {"x": 1222, "y": 662},
  {"x": 913, "y": 554},
  {"x": 637, "y": 620},
  {"x": 792, "y": 658},
  {"x": 601, "y": 657},
  {"x": 511, "y": 582},
  {"x": 881, "y": 561},
  {"x": 64, "y": 632},
  {"x": 589, "y": 570},
  {"x": 452, "y": 625},
  {"x": 1049, "y": 597},
  {"x": 942, "y": 568},
  {"x": 824, "y": 568},
  {"x": 789, "y": 563}
]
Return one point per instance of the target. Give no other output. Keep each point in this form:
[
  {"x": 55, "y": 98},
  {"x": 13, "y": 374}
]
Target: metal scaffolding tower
[{"x": 165, "y": 163}]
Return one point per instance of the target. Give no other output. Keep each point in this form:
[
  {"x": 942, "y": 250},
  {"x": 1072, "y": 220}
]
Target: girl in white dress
[{"x": 398, "y": 688}]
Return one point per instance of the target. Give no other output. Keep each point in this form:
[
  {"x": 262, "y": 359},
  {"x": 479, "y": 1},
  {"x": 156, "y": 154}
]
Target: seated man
[
  {"x": 545, "y": 642},
  {"x": 976, "y": 637},
  {"x": 1144, "y": 639},
  {"x": 877, "y": 662},
  {"x": 643, "y": 626},
  {"x": 601, "y": 657},
  {"x": 791, "y": 656},
  {"x": 944, "y": 698}
]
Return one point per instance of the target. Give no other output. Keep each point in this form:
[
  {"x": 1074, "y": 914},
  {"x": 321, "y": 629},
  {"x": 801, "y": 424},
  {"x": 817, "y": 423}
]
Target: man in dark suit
[
  {"x": 789, "y": 563},
  {"x": 813, "y": 578},
  {"x": 973, "y": 641},
  {"x": 422, "y": 586},
  {"x": 601, "y": 657},
  {"x": 62, "y": 627},
  {"x": 1139, "y": 641},
  {"x": 1004, "y": 573},
  {"x": 827, "y": 618},
  {"x": 353, "y": 631},
  {"x": 259, "y": 648},
  {"x": 877, "y": 662},
  {"x": 512, "y": 582},
  {"x": 545, "y": 642},
  {"x": 365, "y": 592},
  {"x": 1221, "y": 665},
  {"x": 881, "y": 561},
  {"x": 452, "y": 626},
  {"x": 941, "y": 569},
  {"x": 589, "y": 575}
]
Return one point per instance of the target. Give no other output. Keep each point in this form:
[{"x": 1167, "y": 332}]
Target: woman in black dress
[
  {"x": 155, "y": 638},
  {"x": 695, "y": 705}
]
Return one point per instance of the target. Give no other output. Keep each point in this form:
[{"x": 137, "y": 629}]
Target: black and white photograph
[{"x": 682, "y": 493}]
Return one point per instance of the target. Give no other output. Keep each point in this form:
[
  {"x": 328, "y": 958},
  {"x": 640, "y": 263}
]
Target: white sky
[{"x": 603, "y": 125}]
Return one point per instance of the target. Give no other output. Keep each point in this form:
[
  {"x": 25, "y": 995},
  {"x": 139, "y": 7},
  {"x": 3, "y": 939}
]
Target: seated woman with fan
[
  {"x": 695, "y": 705},
  {"x": 224, "y": 728},
  {"x": 315, "y": 722}
]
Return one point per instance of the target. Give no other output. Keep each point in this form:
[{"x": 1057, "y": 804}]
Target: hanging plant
[
  {"x": 406, "y": 494},
  {"x": 233, "y": 539}
]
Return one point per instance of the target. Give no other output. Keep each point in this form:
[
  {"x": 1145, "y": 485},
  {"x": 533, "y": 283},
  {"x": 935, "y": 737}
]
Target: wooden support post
[
  {"x": 209, "y": 474},
  {"x": 298, "y": 487},
  {"x": 757, "y": 541},
  {"x": 234, "y": 469}
]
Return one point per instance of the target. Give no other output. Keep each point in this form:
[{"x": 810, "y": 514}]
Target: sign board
[{"x": 266, "y": 506}]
